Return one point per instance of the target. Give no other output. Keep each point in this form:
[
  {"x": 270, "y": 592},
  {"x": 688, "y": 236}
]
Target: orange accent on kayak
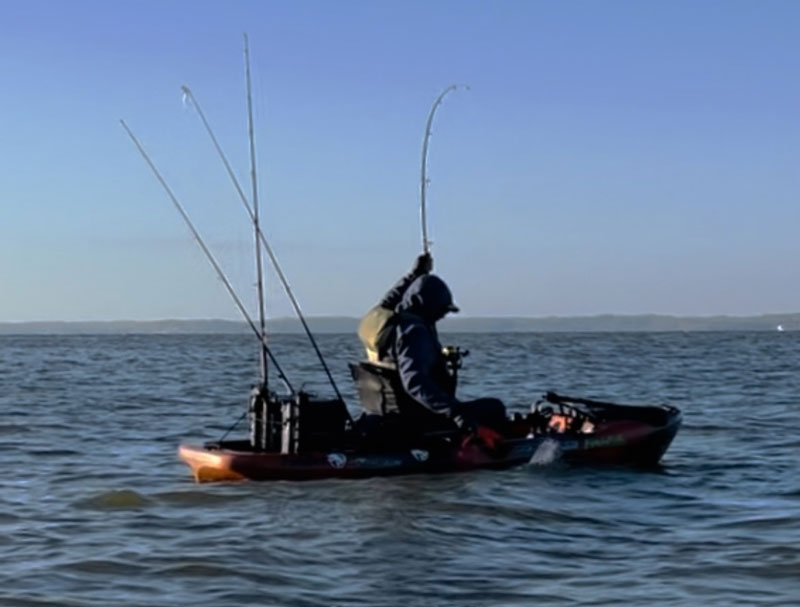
[{"x": 207, "y": 466}]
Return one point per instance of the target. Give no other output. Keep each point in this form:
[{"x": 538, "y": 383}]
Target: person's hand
[{"x": 423, "y": 264}]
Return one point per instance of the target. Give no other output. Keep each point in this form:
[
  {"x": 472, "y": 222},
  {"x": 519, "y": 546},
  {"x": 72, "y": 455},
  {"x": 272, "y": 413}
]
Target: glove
[
  {"x": 476, "y": 434},
  {"x": 423, "y": 264}
]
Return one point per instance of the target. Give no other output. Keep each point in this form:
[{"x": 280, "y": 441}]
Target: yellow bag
[{"x": 374, "y": 330}]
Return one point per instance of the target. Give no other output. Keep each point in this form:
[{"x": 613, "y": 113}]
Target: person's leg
[{"x": 489, "y": 412}]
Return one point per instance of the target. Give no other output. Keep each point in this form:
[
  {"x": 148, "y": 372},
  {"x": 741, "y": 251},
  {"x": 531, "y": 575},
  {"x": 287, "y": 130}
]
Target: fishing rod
[
  {"x": 256, "y": 228},
  {"x": 424, "y": 180},
  {"x": 209, "y": 255},
  {"x": 189, "y": 95}
]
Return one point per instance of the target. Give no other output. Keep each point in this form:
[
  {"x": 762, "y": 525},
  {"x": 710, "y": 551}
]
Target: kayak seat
[
  {"x": 381, "y": 393},
  {"x": 379, "y": 387}
]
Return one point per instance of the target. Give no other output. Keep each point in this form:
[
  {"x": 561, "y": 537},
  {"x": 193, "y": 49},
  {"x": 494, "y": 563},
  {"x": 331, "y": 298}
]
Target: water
[{"x": 96, "y": 510}]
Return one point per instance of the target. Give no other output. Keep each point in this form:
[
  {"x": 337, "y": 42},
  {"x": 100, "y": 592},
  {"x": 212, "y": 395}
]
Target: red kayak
[{"x": 570, "y": 429}]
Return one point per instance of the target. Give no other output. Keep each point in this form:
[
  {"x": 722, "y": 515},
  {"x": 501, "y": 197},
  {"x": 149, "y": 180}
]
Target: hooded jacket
[{"x": 416, "y": 349}]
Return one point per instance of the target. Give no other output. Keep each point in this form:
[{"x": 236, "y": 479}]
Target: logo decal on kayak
[
  {"x": 420, "y": 455},
  {"x": 337, "y": 460}
]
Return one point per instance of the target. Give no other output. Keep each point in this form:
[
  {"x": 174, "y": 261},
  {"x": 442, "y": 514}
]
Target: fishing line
[{"x": 233, "y": 425}]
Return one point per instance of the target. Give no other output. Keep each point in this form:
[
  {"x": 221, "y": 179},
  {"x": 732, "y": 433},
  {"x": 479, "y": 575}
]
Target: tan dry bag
[{"x": 375, "y": 331}]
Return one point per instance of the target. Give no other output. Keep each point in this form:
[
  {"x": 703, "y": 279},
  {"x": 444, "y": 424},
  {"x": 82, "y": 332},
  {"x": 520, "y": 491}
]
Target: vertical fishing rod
[
  {"x": 424, "y": 181},
  {"x": 208, "y": 254},
  {"x": 187, "y": 92},
  {"x": 257, "y": 229}
]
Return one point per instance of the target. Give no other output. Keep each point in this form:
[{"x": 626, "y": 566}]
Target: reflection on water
[{"x": 95, "y": 508}]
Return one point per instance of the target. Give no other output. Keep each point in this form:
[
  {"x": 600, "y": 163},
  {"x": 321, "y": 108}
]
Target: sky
[{"x": 609, "y": 157}]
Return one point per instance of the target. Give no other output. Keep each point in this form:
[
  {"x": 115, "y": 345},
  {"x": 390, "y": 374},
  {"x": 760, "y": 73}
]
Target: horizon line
[{"x": 448, "y": 319}]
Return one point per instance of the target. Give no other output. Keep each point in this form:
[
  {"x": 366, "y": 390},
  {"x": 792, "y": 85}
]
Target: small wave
[
  {"x": 13, "y": 429},
  {"x": 752, "y": 570},
  {"x": 103, "y": 566},
  {"x": 198, "y": 570},
  {"x": 792, "y": 443},
  {"x": 18, "y": 601},
  {"x": 710, "y": 428},
  {"x": 196, "y": 498},
  {"x": 54, "y": 453},
  {"x": 520, "y": 513},
  {"x": 779, "y": 522},
  {"x": 121, "y": 499},
  {"x": 8, "y": 517}
]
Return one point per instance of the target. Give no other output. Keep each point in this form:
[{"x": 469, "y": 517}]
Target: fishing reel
[{"x": 454, "y": 358}]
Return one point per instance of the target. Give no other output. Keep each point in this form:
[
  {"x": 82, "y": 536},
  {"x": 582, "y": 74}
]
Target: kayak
[
  {"x": 297, "y": 437},
  {"x": 574, "y": 430}
]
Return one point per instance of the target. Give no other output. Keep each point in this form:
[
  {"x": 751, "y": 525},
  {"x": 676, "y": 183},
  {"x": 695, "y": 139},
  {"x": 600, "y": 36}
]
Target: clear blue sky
[{"x": 610, "y": 157}]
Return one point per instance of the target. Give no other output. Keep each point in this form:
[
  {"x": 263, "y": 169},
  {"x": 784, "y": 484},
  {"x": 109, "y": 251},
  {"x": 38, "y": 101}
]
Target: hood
[{"x": 428, "y": 297}]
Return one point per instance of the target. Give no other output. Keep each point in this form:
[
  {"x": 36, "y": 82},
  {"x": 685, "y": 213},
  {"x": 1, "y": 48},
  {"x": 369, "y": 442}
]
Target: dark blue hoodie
[{"x": 416, "y": 349}]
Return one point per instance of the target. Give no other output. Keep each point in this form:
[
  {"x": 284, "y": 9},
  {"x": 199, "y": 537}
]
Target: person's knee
[
  {"x": 490, "y": 406},
  {"x": 483, "y": 411}
]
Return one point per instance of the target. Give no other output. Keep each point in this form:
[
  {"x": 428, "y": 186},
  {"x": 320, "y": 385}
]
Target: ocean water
[{"x": 96, "y": 510}]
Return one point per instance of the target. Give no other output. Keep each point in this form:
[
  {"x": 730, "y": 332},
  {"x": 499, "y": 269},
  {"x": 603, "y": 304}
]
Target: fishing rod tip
[{"x": 186, "y": 96}]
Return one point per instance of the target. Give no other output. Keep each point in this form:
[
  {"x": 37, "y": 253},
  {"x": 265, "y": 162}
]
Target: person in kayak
[{"x": 401, "y": 331}]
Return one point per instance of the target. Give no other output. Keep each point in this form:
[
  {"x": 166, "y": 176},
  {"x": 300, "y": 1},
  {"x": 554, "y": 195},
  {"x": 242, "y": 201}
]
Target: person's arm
[
  {"x": 422, "y": 265},
  {"x": 416, "y": 353}
]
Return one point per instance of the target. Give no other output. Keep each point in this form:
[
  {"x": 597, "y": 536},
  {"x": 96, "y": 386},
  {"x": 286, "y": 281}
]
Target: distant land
[{"x": 339, "y": 324}]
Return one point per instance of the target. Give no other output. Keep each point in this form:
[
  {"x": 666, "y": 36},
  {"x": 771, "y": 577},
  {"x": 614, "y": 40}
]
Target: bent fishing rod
[
  {"x": 190, "y": 97},
  {"x": 209, "y": 256},
  {"x": 424, "y": 180}
]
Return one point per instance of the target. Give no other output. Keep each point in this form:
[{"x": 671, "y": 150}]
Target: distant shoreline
[{"x": 327, "y": 324}]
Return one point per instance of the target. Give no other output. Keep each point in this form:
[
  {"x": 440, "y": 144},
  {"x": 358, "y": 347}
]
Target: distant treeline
[{"x": 337, "y": 324}]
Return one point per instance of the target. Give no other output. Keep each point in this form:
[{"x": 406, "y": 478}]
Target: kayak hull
[{"x": 621, "y": 441}]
